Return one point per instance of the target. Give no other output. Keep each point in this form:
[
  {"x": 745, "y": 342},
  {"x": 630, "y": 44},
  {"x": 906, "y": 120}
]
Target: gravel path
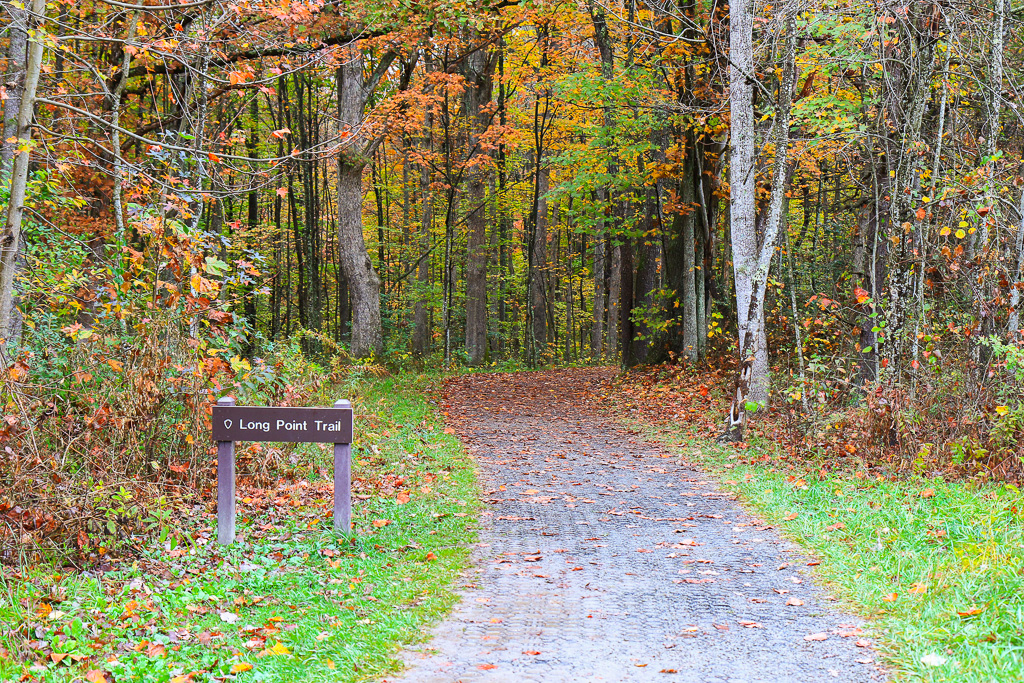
[{"x": 602, "y": 558}]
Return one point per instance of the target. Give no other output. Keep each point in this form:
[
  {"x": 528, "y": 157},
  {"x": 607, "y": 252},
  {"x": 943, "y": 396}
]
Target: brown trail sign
[{"x": 233, "y": 423}]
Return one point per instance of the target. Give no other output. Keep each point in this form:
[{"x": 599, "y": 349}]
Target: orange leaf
[
  {"x": 449, "y": 430},
  {"x": 381, "y": 522},
  {"x": 486, "y": 667},
  {"x": 95, "y": 676},
  {"x": 213, "y": 157},
  {"x": 919, "y": 588},
  {"x": 239, "y": 667},
  {"x": 791, "y": 516},
  {"x": 816, "y": 637},
  {"x": 402, "y": 498},
  {"x": 971, "y": 612},
  {"x": 927, "y": 493},
  {"x": 794, "y": 602},
  {"x": 431, "y": 557},
  {"x": 891, "y": 597},
  {"x": 530, "y": 652},
  {"x": 920, "y": 214}
]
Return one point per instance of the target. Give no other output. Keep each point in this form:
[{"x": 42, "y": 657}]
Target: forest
[
  {"x": 198, "y": 194},
  {"x": 814, "y": 208}
]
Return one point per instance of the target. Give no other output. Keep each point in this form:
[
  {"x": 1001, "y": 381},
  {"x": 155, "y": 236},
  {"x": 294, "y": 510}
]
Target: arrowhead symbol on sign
[{"x": 227, "y": 424}]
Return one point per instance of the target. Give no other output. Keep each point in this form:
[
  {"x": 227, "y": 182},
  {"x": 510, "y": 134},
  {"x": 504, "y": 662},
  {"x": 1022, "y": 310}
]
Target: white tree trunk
[{"x": 752, "y": 260}]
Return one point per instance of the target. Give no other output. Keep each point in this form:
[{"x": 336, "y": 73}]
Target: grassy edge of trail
[
  {"x": 936, "y": 566},
  {"x": 290, "y": 601}
]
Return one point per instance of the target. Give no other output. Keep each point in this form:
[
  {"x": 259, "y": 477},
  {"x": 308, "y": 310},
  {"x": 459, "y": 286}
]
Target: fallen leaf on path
[
  {"x": 816, "y": 637},
  {"x": 485, "y": 667},
  {"x": 794, "y": 602},
  {"x": 668, "y": 671},
  {"x": 721, "y": 627},
  {"x": 863, "y": 643},
  {"x": 748, "y": 624},
  {"x": 531, "y": 652}
]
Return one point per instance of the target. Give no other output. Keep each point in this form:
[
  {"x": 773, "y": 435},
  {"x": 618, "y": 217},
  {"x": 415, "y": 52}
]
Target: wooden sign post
[{"x": 233, "y": 423}]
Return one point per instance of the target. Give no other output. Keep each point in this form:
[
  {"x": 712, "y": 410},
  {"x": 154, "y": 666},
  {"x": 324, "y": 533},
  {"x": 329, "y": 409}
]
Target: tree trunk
[
  {"x": 364, "y": 285},
  {"x": 478, "y": 94},
  {"x": 14, "y": 83},
  {"x": 538, "y": 263},
  {"x": 742, "y": 188},
  {"x": 751, "y": 259},
  {"x": 614, "y": 301},
  {"x": 597, "y": 333},
  {"x": 11, "y": 239}
]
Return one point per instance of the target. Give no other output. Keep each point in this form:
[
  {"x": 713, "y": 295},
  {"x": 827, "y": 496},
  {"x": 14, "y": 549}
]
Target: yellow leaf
[
  {"x": 945, "y": 231},
  {"x": 278, "y": 649},
  {"x": 115, "y": 364},
  {"x": 239, "y": 667},
  {"x": 1002, "y": 410},
  {"x": 330, "y": 664},
  {"x": 960, "y": 234}
]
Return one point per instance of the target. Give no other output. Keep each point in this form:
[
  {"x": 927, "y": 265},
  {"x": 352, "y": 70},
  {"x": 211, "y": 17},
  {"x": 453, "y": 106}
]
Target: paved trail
[{"x": 604, "y": 559}]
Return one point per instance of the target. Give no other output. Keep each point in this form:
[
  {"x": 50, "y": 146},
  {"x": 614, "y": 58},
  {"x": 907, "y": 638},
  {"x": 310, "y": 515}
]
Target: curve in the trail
[{"x": 602, "y": 558}]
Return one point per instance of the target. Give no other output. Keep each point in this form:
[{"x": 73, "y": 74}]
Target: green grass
[
  {"x": 951, "y": 552},
  {"x": 308, "y": 605}
]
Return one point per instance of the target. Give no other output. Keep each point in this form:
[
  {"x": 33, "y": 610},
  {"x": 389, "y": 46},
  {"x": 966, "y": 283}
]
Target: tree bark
[
  {"x": 14, "y": 83},
  {"x": 364, "y": 284},
  {"x": 752, "y": 258},
  {"x": 11, "y": 239},
  {"x": 478, "y": 67}
]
